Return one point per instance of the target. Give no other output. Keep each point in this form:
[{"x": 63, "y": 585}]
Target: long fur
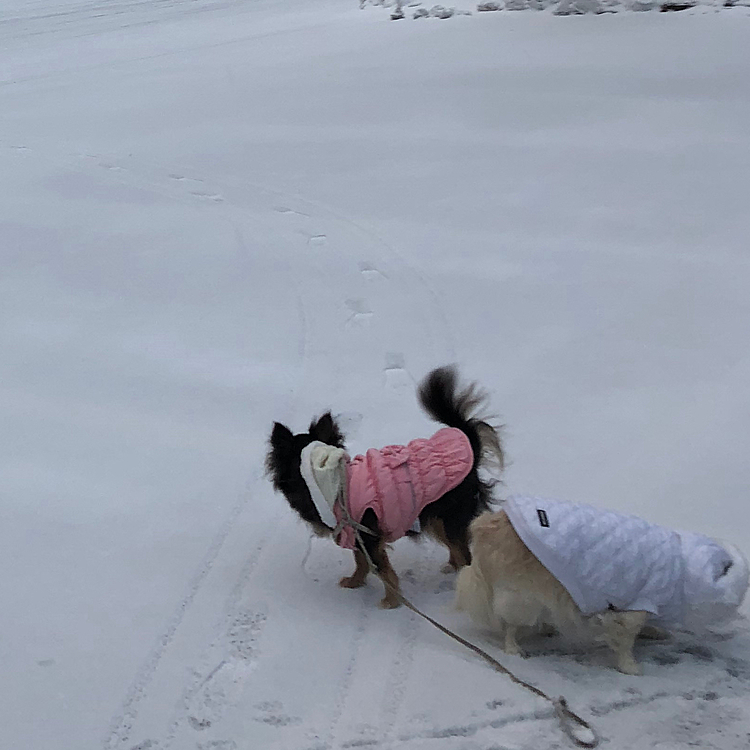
[
  {"x": 506, "y": 588},
  {"x": 446, "y": 519},
  {"x": 441, "y": 398}
]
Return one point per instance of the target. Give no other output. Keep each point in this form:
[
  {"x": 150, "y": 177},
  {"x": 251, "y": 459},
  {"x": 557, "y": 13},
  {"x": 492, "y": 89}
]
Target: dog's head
[
  {"x": 716, "y": 581},
  {"x": 283, "y": 464}
]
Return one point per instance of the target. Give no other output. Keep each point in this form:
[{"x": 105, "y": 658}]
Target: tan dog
[{"x": 506, "y": 587}]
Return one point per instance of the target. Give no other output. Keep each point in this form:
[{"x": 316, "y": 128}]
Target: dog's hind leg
[
  {"x": 458, "y": 548},
  {"x": 456, "y": 541},
  {"x": 387, "y": 574},
  {"x": 620, "y": 632},
  {"x": 459, "y": 555},
  {"x": 356, "y": 579}
]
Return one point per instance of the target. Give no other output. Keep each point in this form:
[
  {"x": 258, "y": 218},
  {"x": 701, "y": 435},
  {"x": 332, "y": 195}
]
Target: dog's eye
[{"x": 727, "y": 568}]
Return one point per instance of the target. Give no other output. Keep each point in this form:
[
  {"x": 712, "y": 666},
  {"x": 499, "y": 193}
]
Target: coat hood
[{"x": 716, "y": 580}]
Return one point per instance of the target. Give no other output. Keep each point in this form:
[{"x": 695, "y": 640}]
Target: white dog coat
[{"x": 607, "y": 560}]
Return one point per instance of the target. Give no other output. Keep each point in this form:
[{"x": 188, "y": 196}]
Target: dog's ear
[
  {"x": 327, "y": 431},
  {"x": 280, "y": 456},
  {"x": 281, "y": 436}
]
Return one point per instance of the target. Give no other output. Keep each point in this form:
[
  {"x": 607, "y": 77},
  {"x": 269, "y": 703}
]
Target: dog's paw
[
  {"x": 389, "y": 602},
  {"x": 653, "y": 633},
  {"x": 628, "y": 665},
  {"x": 352, "y": 582},
  {"x": 448, "y": 568},
  {"x": 512, "y": 648}
]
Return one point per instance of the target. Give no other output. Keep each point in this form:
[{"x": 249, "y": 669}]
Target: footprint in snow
[
  {"x": 197, "y": 193},
  {"x": 702, "y": 653},
  {"x": 445, "y": 586},
  {"x": 199, "y": 722},
  {"x": 395, "y": 372},
  {"x": 272, "y": 712},
  {"x": 290, "y": 211},
  {"x": 243, "y": 634},
  {"x": 183, "y": 178},
  {"x": 206, "y": 196},
  {"x": 369, "y": 272},
  {"x": 360, "y": 313},
  {"x": 224, "y": 684}
]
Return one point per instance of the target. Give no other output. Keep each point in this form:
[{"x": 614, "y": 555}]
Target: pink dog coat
[{"x": 397, "y": 482}]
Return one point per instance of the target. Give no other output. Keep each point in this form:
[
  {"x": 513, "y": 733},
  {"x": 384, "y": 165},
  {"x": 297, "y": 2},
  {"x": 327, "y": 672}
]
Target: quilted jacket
[
  {"x": 397, "y": 482},
  {"x": 609, "y": 560}
]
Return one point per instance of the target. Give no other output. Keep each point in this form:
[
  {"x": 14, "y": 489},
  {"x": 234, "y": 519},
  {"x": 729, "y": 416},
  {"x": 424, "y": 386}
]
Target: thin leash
[
  {"x": 565, "y": 716},
  {"x": 563, "y": 713}
]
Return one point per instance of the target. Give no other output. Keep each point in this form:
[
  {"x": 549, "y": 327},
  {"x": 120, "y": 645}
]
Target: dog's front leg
[
  {"x": 510, "y": 643},
  {"x": 620, "y": 631},
  {"x": 356, "y": 579}
]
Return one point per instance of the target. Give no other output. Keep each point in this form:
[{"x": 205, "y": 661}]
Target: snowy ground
[{"x": 215, "y": 214}]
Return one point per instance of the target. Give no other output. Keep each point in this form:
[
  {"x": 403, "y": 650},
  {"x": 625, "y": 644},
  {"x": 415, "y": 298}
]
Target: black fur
[
  {"x": 444, "y": 402},
  {"x": 447, "y": 518},
  {"x": 282, "y": 464}
]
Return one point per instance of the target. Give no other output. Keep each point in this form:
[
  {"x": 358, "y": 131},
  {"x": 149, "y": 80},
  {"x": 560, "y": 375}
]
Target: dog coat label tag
[{"x": 543, "y": 520}]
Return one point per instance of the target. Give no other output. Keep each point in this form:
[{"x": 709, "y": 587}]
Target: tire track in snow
[
  {"x": 395, "y": 681},
  {"x": 345, "y": 681},
  {"x": 303, "y": 208},
  {"x": 393, "y": 684},
  {"x": 367, "y": 269},
  {"x": 403, "y": 659},
  {"x": 239, "y": 630},
  {"x": 448, "y": 734},
  {"x": 213, "y": 700},
  {"x": 359, "y": 314},
  {"x": 396, "y": 684},
  {"x": 195, "y": 189},
  {"x": 122, "y": 724},
  {"x": 730, "y": 681},
  {"x": 192, "y": 190}
]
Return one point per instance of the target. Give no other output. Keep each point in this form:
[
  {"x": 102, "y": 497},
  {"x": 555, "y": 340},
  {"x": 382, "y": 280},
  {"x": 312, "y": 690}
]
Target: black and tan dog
[{"x": 430, "y": 485}]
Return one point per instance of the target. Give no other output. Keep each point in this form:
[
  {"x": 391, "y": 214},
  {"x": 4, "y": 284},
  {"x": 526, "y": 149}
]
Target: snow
[{"x": 217, "y": 214}]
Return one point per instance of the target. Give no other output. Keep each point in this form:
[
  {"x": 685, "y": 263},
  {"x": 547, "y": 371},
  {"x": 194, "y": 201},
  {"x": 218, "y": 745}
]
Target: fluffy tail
[{"x": 444, "y": 401}]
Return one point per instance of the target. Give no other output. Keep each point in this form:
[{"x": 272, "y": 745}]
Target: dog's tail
[{"x": 444, "y": 401}]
